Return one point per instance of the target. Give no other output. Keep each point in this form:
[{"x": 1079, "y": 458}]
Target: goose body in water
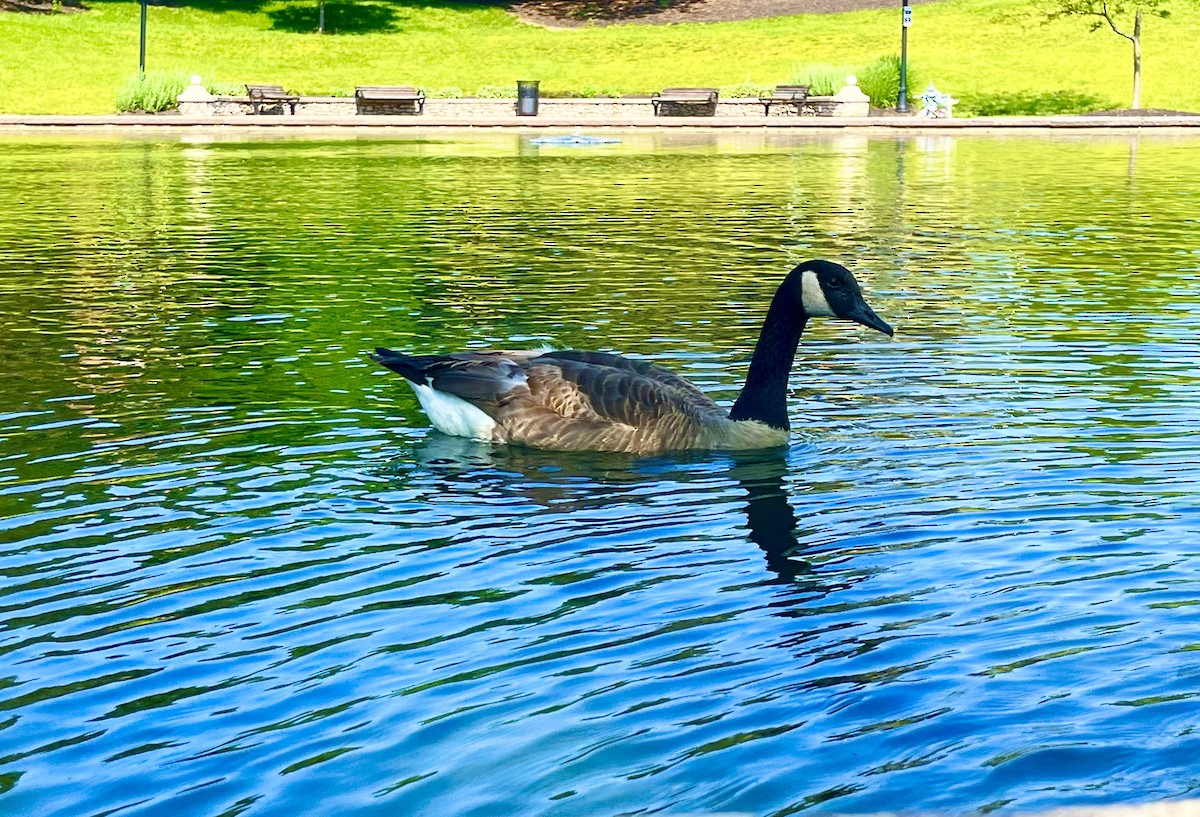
[{"x": 594, "y": 401}]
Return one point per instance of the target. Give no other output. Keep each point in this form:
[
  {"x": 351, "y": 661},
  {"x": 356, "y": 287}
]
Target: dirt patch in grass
[
  {"x": 1142, "y": 112},
  {"x": 573, "y": 13},
  {"x": 41, "y": 6}
]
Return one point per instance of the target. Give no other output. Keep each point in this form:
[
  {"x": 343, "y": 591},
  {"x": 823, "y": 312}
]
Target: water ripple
[{"x": 241, "y": 577}]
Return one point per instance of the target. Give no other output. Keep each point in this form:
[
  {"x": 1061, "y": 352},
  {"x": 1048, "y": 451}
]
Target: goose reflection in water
[{"x": 596, "y": 482}]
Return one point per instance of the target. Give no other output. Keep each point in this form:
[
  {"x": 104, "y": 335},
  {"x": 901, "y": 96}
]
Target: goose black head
[{"x": 828, "y": 290}]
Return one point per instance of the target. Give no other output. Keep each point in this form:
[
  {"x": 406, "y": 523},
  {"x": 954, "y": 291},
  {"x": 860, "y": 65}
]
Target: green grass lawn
[{"x": 994, "y": 55}]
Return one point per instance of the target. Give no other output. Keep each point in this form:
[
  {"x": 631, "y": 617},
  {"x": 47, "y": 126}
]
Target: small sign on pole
[{"x": 902, "y": 101}]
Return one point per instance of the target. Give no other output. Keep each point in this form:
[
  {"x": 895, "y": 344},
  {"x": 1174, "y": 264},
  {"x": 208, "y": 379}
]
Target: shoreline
[{"x": 120, "y": 122}]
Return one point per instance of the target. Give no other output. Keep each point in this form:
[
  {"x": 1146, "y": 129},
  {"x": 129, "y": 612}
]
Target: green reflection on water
[
  {"x": 212, "y": 272},
  {"x": 236, "y": 544}
]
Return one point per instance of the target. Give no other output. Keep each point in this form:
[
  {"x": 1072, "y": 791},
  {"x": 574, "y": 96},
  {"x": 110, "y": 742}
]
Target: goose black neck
[{"x": 764, "y": 397}]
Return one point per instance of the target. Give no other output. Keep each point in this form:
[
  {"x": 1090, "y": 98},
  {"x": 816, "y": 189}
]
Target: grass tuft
[
  {"x": 744, "y": 89},
  {"x": 226, "y": 88},
  {"x": 822, "y": 80},
  {"x": 496, "y": 92},
  {"x": 151, "y": 92},
  {"x": 881, "y": 81}
]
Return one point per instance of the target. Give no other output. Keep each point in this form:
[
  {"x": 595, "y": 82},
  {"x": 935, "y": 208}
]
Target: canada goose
[{"x": 594, "y": 401}]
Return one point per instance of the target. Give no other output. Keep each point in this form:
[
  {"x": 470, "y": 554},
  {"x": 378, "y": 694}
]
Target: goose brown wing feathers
[
  {"x": 602, "y": 402},
  {"x": 640, "y": 367},
  {"x": 617, "y": 389}
]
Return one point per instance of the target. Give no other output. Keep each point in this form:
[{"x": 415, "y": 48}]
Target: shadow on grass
[
  {"x": 341, "y": 16},
  {"x": 204, "y": 5},
  {"x": 1026, "y": 104},
  {"x": 351, "y": 17}
]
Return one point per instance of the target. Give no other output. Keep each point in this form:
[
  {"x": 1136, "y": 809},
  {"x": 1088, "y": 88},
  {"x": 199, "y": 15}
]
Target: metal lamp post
[
  {"x": 905, "y": 22},
  {"x": 142, "y": 43}
]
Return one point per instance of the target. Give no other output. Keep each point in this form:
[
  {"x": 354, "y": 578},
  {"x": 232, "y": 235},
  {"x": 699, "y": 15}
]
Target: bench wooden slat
[
  {"x": 784, "y": 95},
  {"x": 261, "y": 95},
  {"x": 391, "y": 93},
  {"x": 387, "y": 92},
  {"x": 684, "y": 96}
]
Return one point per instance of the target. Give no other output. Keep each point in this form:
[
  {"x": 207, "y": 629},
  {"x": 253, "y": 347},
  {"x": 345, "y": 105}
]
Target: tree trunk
[
  {"x": 1137, "y": 59},
  {"x": 321, "y": 22}
]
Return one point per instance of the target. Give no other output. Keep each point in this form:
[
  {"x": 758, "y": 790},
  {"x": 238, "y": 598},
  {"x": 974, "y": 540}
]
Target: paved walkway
[{"x": 775, "y": 123}]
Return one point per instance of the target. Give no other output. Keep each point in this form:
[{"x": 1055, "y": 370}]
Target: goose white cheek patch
[{"x": 815, "y": 303}]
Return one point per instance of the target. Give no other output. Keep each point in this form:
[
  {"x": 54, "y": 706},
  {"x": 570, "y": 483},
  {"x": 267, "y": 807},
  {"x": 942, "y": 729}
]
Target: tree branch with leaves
[{"x": 1124, "y": 17}]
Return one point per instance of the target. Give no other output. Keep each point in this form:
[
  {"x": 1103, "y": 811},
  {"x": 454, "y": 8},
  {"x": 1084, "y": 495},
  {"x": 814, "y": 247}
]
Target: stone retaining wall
[{"x": 469, "y": 108}]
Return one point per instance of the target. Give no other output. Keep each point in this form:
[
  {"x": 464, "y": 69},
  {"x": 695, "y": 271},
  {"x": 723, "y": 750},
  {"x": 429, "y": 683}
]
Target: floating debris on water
[{"x": 574, "y": 139}]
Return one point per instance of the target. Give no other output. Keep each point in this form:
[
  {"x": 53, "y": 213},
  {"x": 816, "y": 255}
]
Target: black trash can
[{"x": 527, "y": 97}]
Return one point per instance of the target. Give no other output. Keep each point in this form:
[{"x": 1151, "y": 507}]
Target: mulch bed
[
  {"x": 574, "y": 13},
  {"x": 40, "y": 6},
  {"x": 1141, "y": 112}
]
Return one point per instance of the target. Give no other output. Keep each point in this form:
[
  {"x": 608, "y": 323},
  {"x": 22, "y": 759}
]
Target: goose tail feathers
[{"x": 409, "y": 367}]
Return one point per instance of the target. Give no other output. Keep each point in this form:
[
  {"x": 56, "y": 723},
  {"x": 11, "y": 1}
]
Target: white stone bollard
[
  {"x": 196, "y": 100},
  {"x": 851, "y": 100}
]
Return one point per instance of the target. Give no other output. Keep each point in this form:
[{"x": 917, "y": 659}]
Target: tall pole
[
  {"x": 142, "y": 42},
  {"x": 905, "y": 19}
]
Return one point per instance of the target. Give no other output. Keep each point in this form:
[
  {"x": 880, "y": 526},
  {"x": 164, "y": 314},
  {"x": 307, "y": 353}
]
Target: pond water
[{"x": 240, "y": 576}]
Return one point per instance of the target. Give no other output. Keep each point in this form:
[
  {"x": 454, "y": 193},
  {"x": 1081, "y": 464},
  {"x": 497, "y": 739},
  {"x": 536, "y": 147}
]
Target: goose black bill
[{"x": 861, "y": 313}]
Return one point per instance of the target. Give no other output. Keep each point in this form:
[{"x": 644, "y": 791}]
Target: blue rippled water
[{"x": 238, "y": 575}]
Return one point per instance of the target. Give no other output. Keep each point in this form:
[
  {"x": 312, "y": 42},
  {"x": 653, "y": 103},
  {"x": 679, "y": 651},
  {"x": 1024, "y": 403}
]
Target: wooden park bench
[
  {"x": 413, "y": 97},
  {"x": 685, "y": 97},
  {"x": 784, "y": 95},
  {"x": 269, "y": 96}
]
